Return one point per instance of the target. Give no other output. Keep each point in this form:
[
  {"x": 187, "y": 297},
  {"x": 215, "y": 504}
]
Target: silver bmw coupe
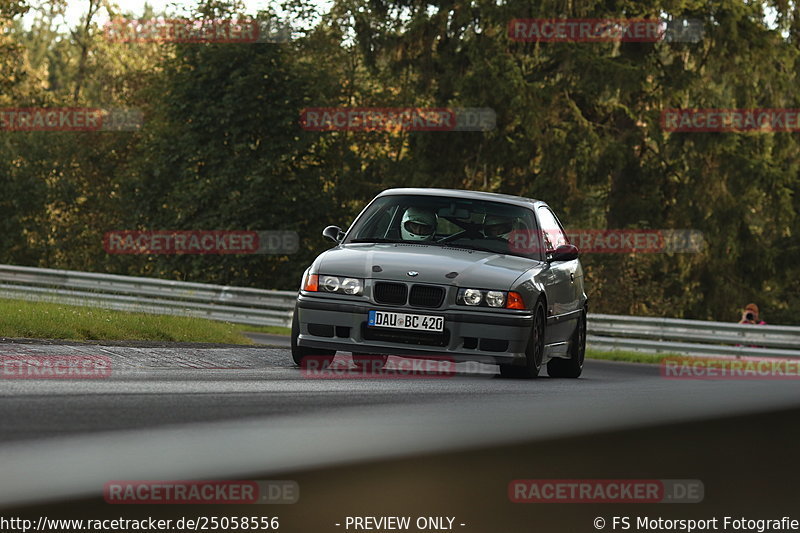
[{"x": 471, "y": 276}]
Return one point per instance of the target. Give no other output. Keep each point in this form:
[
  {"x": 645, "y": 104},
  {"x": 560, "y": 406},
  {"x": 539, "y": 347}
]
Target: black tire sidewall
[{"x": 539, "y": 314}]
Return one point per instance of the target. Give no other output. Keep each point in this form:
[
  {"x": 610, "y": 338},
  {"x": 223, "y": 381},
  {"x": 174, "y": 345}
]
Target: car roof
[{"x": 471, "y": 195}]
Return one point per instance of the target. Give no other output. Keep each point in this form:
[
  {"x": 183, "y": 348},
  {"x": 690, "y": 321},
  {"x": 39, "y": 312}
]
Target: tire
[
  {"x": 301, "y": 354},
  {"x": 369, "y": 362},
  {"x": 534, "y": 352},
  {"x": 572, "y": 367}
]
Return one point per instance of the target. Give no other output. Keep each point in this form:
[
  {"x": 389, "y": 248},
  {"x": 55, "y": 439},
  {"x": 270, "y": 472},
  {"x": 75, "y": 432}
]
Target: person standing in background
[{"x": 750, "y": 315}]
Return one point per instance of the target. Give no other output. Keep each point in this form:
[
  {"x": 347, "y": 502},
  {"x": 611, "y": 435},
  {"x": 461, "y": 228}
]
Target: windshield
[{"x": 438, "y": 221}]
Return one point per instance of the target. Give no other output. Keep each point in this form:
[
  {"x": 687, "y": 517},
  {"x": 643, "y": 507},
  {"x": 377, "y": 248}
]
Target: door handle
[{"x": 572, "y": 277}]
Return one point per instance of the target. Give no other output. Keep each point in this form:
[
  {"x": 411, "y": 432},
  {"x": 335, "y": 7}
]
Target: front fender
[{"x": 531, "y": 286}]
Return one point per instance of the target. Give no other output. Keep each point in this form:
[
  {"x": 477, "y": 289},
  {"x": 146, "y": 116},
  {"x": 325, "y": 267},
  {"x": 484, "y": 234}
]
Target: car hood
[{"x": 433, "y": 263}]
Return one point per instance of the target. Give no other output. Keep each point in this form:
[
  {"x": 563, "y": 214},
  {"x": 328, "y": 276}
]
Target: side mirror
[
  {"x": 334, "y": 233},
  {"x": 565, "y": 252}
]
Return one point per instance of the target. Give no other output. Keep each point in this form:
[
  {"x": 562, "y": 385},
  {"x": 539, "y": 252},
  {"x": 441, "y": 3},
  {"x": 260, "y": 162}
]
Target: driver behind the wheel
[{"x": 418, "y": 224}]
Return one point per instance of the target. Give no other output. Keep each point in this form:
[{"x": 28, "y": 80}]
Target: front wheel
[
  {"x": 534, "y": 352},
  {"x": 302, "y": 355},
  {"x": 572, "y": 367}
]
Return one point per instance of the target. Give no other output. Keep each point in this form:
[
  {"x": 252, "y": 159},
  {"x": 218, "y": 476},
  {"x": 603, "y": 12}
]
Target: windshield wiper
[
  {"x": 376, "y": 240},
  {"x": 471, "y": 247}
]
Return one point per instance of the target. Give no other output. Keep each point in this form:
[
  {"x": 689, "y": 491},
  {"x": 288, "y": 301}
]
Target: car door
[{"x": 559, "y": 279}]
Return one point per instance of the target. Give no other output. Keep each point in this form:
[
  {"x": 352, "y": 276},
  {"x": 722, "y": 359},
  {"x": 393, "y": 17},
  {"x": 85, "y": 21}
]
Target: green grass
[
  {"x": 629, "y": 357},
  {"x": 19, "y": 318},
  {"x": 272, "y": 330}
]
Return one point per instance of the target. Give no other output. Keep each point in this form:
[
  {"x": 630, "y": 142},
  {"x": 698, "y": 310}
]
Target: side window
[
  {"x": 378, "y": 223},
  {"x": 552, "y": 233},
  {"x": 383, "y": 227}
]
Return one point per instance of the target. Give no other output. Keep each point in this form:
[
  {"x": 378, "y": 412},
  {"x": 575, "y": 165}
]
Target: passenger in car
[{"x": 498, "y": 226}]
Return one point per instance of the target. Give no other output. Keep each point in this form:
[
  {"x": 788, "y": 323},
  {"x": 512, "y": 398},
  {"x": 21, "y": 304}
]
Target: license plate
[{"x": 390, "y": 319}]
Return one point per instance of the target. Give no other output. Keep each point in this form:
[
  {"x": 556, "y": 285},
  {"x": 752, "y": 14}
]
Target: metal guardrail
[
  {"x": 255, "y": 307},
  {"x": 691, "y": 337},
  {"x": 260, "y": 307}
]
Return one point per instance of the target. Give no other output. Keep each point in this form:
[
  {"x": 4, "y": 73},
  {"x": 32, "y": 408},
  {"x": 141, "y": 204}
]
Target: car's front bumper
[{"x": 491, "y": 336}]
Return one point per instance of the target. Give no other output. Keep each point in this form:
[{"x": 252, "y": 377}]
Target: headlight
[
  {"x": 340, "y": 285},
  {"x": 330, "y": 283},
  {"x": 484, "y": 298},
  {"x": 352, "y": 286},
  {"x": 495, "y": 298},
  {"x": 472, "y": 297}
]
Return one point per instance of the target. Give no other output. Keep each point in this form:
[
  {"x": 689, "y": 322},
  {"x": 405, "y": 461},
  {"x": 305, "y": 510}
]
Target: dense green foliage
[{"x": 578, "y": 125}]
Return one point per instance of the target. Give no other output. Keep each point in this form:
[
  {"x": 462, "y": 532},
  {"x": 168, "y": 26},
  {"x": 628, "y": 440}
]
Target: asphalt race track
[{"x": 383, "y": 445}]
